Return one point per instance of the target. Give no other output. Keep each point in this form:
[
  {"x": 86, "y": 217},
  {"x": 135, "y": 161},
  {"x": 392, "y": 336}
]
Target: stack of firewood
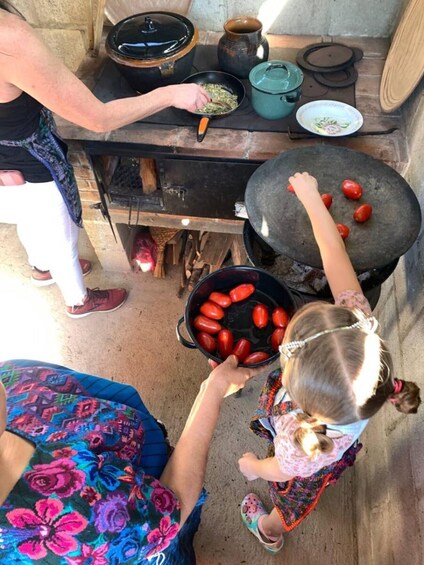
[{"x": 206, "y": 252}]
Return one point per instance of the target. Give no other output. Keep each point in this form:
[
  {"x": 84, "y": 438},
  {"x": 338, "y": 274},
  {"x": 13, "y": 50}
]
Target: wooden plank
[
  {"x": 238, "y": 251},
  {"x": 183, "y": 222},
  {"x": 98, "y": 20},
  {"x": 216, "y": 248},
  {"x": 148, "y": 175}
]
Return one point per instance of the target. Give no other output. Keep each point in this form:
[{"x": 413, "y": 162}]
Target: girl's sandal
[{"x": 251, "y": 510}]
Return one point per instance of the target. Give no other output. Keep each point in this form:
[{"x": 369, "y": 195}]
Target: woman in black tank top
[{"x": 29, "y": 143}]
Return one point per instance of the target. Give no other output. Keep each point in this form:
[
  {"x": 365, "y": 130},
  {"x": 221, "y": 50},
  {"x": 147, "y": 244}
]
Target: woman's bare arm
[
  {"x": 336, "y": 262},
  {"x": 28, "y": 64},
  {"x": 185, "y": 470}
]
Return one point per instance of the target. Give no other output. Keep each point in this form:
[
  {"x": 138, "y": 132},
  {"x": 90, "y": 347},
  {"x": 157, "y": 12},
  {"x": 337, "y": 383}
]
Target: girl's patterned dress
[{"x": 84, "y": 497}]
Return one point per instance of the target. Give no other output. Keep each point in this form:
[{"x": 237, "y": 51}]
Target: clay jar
[{"x": 242, "y": 46}]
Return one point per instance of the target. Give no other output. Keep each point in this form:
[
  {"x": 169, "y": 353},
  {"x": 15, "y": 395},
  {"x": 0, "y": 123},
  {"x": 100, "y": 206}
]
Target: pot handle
[
  {"x": 277, "y": 66},
  {"x": 182, "y": 339},
  {"x": 202, "y": 128},
  {"x": 293, "y": 97},
  {"x": 167, "y": 69}
]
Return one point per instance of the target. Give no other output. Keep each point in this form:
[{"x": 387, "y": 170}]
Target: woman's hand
[
  {"x": 229, "y": 377},
  {"x": 191, "y": 97},
  {"x": 248, "y": 466}
]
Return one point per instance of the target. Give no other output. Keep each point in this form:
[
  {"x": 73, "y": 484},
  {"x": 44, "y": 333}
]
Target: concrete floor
[{"x": 137, "y": 345}]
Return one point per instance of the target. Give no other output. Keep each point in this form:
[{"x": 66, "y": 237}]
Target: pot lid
[
  {"x": 279, "y": 218},
  {"x": 276, "y": 77},
  {"x": 150, "y": 35}
]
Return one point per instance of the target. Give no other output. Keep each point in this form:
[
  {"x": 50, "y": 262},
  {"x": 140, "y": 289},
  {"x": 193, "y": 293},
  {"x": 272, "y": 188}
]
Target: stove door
[{"x": 203, "y": 188}]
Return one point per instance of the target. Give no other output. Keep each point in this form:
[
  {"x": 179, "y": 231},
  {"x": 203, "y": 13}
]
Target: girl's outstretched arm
[
  {"x": 337, "y": 266},
  {"x": 267, "y": 469}
]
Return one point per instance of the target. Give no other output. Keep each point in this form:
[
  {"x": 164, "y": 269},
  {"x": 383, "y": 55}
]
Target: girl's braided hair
[{"x": 341, "y": 376}]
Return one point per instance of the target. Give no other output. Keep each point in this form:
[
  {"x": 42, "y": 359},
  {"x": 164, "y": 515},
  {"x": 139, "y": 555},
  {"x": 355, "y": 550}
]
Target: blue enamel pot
[{"x": 276, "y": 87}]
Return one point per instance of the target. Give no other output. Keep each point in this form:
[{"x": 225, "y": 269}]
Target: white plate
[{"x": 329, "y": 118}]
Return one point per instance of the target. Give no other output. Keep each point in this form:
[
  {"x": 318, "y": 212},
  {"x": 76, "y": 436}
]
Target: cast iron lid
[
  {"x": 279, "y": 218},
  {"x": 150, "y": 35}
]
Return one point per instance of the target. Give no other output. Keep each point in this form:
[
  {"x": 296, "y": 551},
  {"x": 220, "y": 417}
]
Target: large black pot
[
  {"x": 153, "y": 49},
  {"x": 238, "y": 317},
  {"x": 261, "y": 255}
]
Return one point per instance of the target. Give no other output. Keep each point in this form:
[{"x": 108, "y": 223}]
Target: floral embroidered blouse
[
  {"x": 292, "y": 460},
  {"x": 83, "y": 498}
]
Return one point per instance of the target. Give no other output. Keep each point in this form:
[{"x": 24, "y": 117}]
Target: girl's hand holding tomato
[
  {"x": 242, "y": 349},
  {"x": 241, "y": 292},
  {"x": 225, "y": 343},
  {"x": 260, "y": 316},
  {"x": 280, "y": 318},
  {"x": 221, "y": 299},
  {"x": 204, "y": 324},
  {"x": 212, "y": 310}
]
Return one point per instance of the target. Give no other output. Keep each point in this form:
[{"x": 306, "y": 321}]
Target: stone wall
[{"x": 390, "y": 480}]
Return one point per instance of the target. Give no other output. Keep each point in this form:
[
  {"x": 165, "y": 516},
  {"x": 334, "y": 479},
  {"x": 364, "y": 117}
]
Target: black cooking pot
[
  {"x": 153, "y": 49},
  {"x": 260, "y": 254},
  {"x": 238, "y": 317}
]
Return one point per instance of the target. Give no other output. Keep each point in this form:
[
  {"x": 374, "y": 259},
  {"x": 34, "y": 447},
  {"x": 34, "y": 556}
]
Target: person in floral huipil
[{"x": 87, "y": 480}]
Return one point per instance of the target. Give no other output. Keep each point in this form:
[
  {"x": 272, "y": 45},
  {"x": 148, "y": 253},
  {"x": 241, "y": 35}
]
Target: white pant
[{"x": 47, "y": 233}]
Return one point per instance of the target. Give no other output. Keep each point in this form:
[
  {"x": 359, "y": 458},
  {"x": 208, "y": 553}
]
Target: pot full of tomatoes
[{"x": 238, "y": 310}]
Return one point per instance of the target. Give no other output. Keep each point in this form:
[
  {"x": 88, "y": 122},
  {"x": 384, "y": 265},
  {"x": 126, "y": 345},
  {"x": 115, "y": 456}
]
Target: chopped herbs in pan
[{"x": 223, "y": 100}]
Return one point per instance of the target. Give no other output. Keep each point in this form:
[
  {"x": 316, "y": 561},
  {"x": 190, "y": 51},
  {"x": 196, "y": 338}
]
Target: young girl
[{"x": 336, "y": 373}]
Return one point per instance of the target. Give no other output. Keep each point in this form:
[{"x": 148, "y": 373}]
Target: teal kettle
[{"x": 276, "y": 87}]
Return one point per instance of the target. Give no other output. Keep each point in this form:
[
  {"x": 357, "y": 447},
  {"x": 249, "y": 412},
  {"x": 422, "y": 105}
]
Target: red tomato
[
  {"x": 255, "y": 357},
  {"x": 221, "y": 299},
  {"x": 241, "y": 292},
  {"x": 280, "y": 318},
  {"x": 351, "y": 189},
  {"x": 327, "y": 199},
  {"x": 212, "y": 310},
  {"x": 225, "y": 343},
  {"x": 363, "y": 213},
  {"x": 204, "y": 324},
  {"x": 206, "y": 341},
  {"x": 260, "y": 316},
  {"x": 242, "y": 349},
  {"x": 290, "y": 188},
  {"x": 344, "y": 231},
  {"x": 277, "y": 338}
]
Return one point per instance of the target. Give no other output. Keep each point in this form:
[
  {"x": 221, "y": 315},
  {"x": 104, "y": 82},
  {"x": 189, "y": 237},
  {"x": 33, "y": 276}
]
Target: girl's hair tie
[
  {"x": 397, "y": 386},
  {"x": 368, "y": 325}
]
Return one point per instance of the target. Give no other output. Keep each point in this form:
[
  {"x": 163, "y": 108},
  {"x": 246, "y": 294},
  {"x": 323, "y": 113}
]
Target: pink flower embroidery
[
  {"x": 161, "y": 537},
  {"x": 48, "y": 530},
  {"x": 92, "y": 555},
  {"x": 58, "y": 477}
]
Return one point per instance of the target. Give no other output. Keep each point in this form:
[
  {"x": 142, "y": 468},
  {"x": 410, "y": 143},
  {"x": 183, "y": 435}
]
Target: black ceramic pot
[
  {"x": 153, "y": 49},
  {"x": 238, "y": 317}
]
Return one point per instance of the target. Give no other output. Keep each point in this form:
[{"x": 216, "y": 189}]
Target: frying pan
[{"x": 231, "y": 83}]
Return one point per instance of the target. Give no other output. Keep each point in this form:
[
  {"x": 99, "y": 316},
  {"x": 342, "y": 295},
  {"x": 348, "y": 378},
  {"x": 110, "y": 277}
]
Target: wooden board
[
  {"x": 405, "y": 62},
  {"x": 117, "y": 10}
]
